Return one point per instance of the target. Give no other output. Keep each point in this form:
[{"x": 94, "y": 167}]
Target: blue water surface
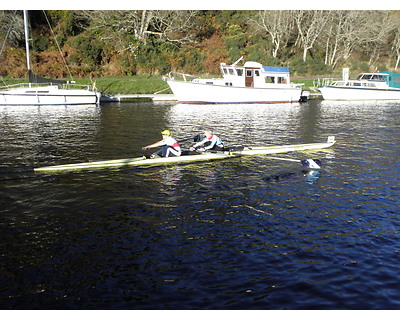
[{"x": 248, "y": 233}]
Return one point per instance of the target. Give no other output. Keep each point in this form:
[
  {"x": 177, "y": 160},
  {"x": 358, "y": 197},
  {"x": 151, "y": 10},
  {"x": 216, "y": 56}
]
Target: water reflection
[
  {"x": 311, "y": 176},
  {"x": 241, "y": 124},
  {"x": 37, "y": 133}
]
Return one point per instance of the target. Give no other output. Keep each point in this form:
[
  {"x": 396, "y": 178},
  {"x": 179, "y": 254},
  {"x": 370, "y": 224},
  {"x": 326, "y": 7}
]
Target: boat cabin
[
  {"x": 254, "y": 74},
  {"x": 392, "y": 79}
]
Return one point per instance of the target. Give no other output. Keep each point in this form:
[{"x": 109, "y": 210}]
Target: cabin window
[
  {"x": 231, "y": 72},
  {"x": 249, "y": 73},
  {"x": 281, "y": 80},
  {"x": 257, "y": 72},
  {"x": 270, "y": 79},
  {"x": 229, "y": 84},
  {"x": 239, "y": 72},
  {"x": 396, "y": 79},
  {"x": 225, "y": 71}
]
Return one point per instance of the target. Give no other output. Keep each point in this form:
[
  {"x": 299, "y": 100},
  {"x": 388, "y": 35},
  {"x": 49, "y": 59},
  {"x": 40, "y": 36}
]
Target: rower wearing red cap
[{"x": 170, "y": 147}]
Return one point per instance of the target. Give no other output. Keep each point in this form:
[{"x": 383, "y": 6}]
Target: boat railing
[
  {"x": 91, "y": 87},
  {"x": 321, "y": 82},
  {"x": 180, "y": 76},
  {"x": 16, "y": 85}
]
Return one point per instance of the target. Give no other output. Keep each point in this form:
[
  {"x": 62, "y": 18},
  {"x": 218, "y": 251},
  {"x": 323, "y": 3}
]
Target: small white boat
[
  {"x": 32, "y": 94},
  {"x": 189, "y": 158},
  {"x": 42, "y": 91},
  {"x": 367, "y": 86},
  {"x": 251, "y": 83}
]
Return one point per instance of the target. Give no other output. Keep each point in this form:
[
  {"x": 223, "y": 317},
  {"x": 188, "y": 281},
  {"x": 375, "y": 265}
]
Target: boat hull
[
  {"x": 200, "y": 93},
  {"x": 349, "y": 93},
  {"x": 207, "y": 156},
  {"x": 139, "y": 162},
  {"x": 48, "y": 96}
]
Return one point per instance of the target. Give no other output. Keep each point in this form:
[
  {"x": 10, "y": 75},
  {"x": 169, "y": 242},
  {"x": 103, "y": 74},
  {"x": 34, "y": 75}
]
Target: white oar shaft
[{"x": 284, "y": 159}]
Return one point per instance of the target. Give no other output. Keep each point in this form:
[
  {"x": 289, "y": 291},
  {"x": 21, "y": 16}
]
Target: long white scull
[{"x": 206, "y": 156}]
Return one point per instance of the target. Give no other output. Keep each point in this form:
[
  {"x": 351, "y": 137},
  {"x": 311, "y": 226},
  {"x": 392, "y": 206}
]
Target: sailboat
[{"x": 43, "y": 91}]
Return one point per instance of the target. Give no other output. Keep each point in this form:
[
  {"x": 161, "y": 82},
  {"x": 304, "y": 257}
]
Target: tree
[
  {"x": 278, "y": 24},
  {"x": 309, "y": 25},
  {"x": 396, "y": 47},
  {"x": 177, "y": 26},
  {"x": 11, "y": 26},
  {"x": 330, "y": 39}
]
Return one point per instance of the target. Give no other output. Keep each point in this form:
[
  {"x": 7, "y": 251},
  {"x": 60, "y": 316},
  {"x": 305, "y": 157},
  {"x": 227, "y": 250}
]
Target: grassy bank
[
  {"x": 139, "y": 84},
  {"x": 131, "y": 85},
  {"x": 115, "y": 85},
  {"x": 154, "y": 84}
]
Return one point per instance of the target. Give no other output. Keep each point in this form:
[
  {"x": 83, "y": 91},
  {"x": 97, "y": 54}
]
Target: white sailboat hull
[
  {"x": 190, "y": 92},
  {"x": 343, "y": 93},
  {"x": 48, "y": 95}
]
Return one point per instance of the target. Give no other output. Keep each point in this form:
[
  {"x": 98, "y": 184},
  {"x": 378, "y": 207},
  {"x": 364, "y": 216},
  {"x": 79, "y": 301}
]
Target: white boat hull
[
  {"x": 343, "y": 93},
  {"x": 50, "y": 95},
  {"x": 199, "y": 93}
]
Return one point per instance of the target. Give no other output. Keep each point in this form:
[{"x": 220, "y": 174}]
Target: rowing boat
[{"x": 206, "y": 156}]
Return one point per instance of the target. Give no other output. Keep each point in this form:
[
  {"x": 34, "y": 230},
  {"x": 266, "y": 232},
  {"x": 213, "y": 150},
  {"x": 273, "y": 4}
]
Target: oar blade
[{"x": 313, "y": 164}]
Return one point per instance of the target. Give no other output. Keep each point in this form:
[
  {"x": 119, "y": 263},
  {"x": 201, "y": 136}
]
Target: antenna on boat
[{"x": 237, "y": 61}]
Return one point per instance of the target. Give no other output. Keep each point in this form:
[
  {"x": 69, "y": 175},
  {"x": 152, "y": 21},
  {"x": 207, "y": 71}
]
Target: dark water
[{"x": 244, "y": 233}]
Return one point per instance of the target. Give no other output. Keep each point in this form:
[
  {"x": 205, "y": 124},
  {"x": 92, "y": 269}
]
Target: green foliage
[
  {"x": 259, "y": 52},
  {"x": 41, "y": 43},
  {"x": 64, "y": 20},
  {"x": 151, "y": 58},
  {"x": 359, "y": 66},
  {"x": 109, "y": 43},
  {"x": 311, "y": 66},
  {"x": 193, "y": 60},
  {"x": 382, "y": 67},
  {"x": 90, "y": 49},
  {"x": 235, "y": 42}
]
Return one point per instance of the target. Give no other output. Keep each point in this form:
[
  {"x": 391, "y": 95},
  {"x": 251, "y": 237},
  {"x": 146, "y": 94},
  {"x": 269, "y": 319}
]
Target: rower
[
  {"x": 170, "y": 147},
  {"x": 211, "y": 141}
]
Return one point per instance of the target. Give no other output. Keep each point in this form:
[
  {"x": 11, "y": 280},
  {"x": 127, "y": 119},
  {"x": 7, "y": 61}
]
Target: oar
[
  {"x": 307, "y": 163},
  {"x": 196, "y": 138}
]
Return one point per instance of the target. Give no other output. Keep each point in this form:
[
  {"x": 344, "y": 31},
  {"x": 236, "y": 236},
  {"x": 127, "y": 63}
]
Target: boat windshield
[{"x": 372, "y": 77}]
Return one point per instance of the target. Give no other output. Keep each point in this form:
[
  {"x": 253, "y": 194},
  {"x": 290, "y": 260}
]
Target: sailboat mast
[{"x": 28, "y": 61}]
